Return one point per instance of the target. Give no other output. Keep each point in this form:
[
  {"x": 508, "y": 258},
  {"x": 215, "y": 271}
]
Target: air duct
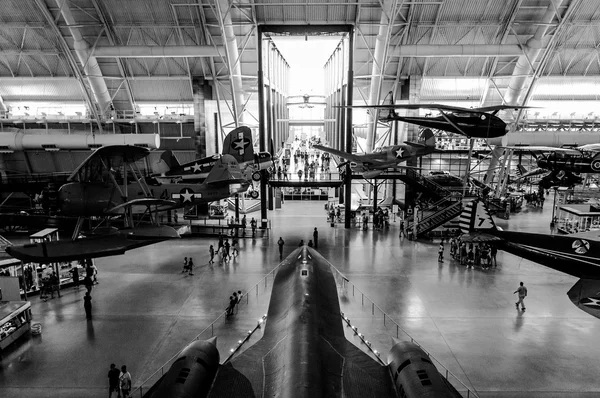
[{"x": 60, "y": 140}]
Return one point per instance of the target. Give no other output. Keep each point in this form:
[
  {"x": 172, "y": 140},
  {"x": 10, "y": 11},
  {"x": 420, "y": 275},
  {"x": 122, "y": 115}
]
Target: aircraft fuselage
[
  {"x": 572, "y": 163},
  {"x": 198, "y": 170},
  {"x": 473, "y": 125},
  {"x": 95, "y": 198}
]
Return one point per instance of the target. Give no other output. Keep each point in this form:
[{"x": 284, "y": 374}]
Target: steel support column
[
  {"x": 261, "y": 125},
  {"x": 349, "y": 90}
]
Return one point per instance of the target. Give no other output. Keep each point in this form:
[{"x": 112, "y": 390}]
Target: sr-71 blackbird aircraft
[
  {"x": 303, "y": 351},
  {"x": 575, "y": 254},
  {"x": 109, "y": 183},
  {"x": 238, "y": 143},
  {"x": 370, "y": 165},
  {"x": 470, "y": 122}
]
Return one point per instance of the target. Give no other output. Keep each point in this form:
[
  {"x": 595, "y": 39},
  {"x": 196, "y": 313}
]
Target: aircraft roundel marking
[
  {"x": 240, "y": 144},
  {"x": 581, "y": 246},
  {"x": 591, "y": 302},
  {"x": 186, "y": 195},
  {"x": 399, "y": 153},
  {"x": 595, "y": 165}
]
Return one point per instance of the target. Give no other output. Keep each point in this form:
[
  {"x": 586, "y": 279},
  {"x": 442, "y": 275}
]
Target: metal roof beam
[
  {"x": 471, "y": 50},
  {"x": 157, "y": 51}
]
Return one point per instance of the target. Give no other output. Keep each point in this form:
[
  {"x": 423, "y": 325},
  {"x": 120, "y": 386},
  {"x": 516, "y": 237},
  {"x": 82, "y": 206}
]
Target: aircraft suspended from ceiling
[
  {"x": 470, "y": 122},
  {"x": 108, "y": 185}
]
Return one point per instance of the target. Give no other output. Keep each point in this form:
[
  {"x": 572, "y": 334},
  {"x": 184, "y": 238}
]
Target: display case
[{"x": 15, "y": 320}]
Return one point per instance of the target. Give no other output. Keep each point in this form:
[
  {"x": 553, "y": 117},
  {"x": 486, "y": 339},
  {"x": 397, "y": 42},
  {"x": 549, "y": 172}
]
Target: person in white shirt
[
  {"x": 125, "y": 381},
  {"x": 522, "y": 290}
]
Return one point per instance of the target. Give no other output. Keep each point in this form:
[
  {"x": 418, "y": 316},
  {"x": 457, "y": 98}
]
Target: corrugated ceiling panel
[
  {"x": 424, "y": 13},
  {"x": 161, "y": 90},
  {"x": 567, "y": 88},
  {"x": 40, "y": 90},
  {"x": 140, "y": 11},
  {"x": 453, "y": 89},
  {"x": 581, "y": 36},
  {"x": 587, "y": 10},
  {"x": 21, "y": 11}
]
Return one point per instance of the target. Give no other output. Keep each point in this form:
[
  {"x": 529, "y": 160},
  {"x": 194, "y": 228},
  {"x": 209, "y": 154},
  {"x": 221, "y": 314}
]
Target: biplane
[{"x": 109, "y": 185}]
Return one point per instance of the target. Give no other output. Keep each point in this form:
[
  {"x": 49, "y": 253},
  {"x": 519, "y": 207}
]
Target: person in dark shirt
[
  {"x": 87, "y": 305},
  {"x": 113, "y": 381},
  {"x": 316, "y": 237}
]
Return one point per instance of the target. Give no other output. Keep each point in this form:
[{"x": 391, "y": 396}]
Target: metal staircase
[{"x": 452, "y": 209}]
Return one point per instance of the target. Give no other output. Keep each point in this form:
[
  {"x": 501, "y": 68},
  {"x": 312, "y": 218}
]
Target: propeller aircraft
[
  {"x": 238, "y": 143},
  {"x": 574, "y": 254},
  {"x": 109, "y": 184},
  {"x": 470, "y": 122},
  {"x": 371, "y": 165}
]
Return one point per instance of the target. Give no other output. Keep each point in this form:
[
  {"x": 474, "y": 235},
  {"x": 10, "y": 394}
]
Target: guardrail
[
  {"x": 365, "y": 300},
  {"x": 207, "y": 333}
]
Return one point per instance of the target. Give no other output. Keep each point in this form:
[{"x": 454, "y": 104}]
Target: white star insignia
[
  {"x": 593, "y": 302},
  {"x": 196, "y": 167},
  {"x": 187, "y": 196},
  {"x": 399, "y": 152}
]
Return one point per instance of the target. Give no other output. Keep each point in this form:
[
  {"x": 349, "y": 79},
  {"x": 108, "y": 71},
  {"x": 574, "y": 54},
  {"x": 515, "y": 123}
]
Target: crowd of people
[{"x": 472, "y": 255}]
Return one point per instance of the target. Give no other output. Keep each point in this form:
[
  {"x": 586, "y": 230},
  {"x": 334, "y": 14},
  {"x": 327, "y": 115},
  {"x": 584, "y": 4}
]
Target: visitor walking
[
  {"x": 87, "y": 305},
  {"x": 522, "y": 291},
  {"x": 280, "y": 243}
]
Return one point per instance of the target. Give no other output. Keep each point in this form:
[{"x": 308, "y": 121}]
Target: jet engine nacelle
[
  {"x": 414, "y": 374},
  {"x": 192, "y": 373}
]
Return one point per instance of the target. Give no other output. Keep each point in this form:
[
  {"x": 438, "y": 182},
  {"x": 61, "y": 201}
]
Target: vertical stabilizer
[
  {"x": 521, "y": 170},
  {"x": 169, "y": 159},
  {"x": 476, "y": 217},
  {"x": 238, "y": 143},
  {"x": 428, "y": 138}
]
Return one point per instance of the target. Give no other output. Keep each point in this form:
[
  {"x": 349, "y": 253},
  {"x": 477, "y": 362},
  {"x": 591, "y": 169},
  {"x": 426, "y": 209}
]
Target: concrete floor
[{"x": 146, "y": 310}]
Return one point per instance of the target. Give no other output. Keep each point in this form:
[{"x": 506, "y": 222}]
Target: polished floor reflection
[{"x": 145, "y": 310}]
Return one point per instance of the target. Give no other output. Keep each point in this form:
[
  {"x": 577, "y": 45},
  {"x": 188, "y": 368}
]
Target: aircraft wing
[
  {"x": 251, "y": 373},
  {"x": 124, "y": 153},
  {"x": 413, "y": 106},
  {"x": 159, "y": 204},
  {"x": 499, "y": 108},
  {"x": 590, "y": 147},
  {"x": 68, "y": 250},
  {"x": 342, "y": 154},
  {"x": 585, "y": 294}
]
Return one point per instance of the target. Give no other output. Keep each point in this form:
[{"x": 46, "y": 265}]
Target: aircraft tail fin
[
  {"x": 238, "y": 143},
  {"x": 428, "y": 138},
  {"x": 476, "y": 217},
  {"x": 170, "y": 159},
  {"x": 225, "y": 170}
]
